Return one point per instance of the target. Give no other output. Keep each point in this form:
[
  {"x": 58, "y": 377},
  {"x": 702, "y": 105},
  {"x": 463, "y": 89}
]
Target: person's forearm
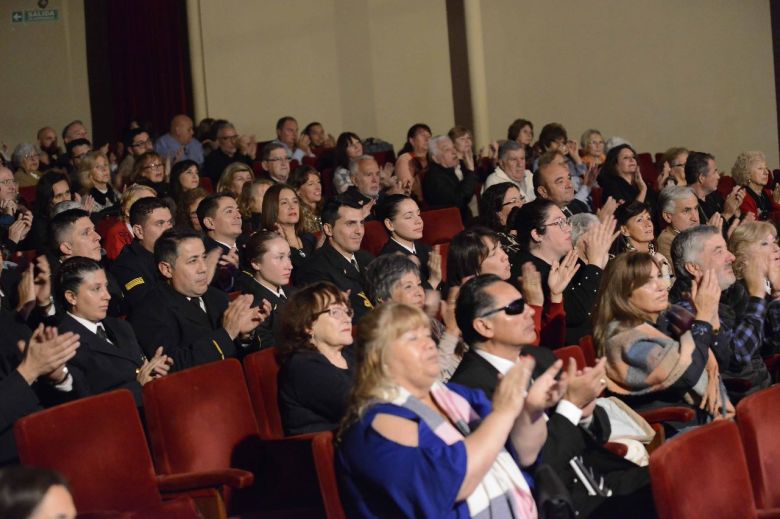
[
  {"x": 528, "y": 436},
  {"x": 482, "y": 447}
]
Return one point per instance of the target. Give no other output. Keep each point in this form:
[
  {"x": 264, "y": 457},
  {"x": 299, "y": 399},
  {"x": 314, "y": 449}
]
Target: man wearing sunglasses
[{"x": 497, "y": 324}]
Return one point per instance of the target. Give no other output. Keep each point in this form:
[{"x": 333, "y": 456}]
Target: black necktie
[
  {"x": 355, "y": 264},
  {"x": 196, "y": 301},
  {"x": 101, "y": 332}
]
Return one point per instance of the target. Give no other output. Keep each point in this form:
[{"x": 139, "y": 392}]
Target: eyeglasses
[
  {"x": 337, "y": 312},
  {"x": 514, "y": 201},
  {"x": 8, "y": 182},
  {"x": 678, "y": 165},
  {"x": 228, "y": 137},
  {"x": 279, "y": 159},
  {"x": 139, "y": 144},
  {"x": 516, "y": 307},
  {"x": 156, "y": 165},
  {"x": 562, "y": 223}
]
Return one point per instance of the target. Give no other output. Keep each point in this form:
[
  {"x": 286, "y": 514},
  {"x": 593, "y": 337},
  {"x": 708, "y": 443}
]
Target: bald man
[{"x": 179, "y": 144}]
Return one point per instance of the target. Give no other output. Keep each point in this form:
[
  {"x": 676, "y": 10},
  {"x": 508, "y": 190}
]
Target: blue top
[
  {"x": 380, "y": 478},
  {"x": 167, "y": 146}
]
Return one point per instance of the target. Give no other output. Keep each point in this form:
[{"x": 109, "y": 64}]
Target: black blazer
[
  {"x": 267, "y": 332},
  {"x": 103, "y": 366},
  {"x": 188, "y": 335},
  {"x": 422, "y": 251},
  {"x": 441, "y": 188},
  {"x": 327, "y": 264},
  {"x": 223, "y": 276},
  {"x": 136, "y": 272}
]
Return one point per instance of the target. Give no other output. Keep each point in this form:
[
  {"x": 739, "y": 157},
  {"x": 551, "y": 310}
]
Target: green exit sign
[{"x": 35, "y": 15}]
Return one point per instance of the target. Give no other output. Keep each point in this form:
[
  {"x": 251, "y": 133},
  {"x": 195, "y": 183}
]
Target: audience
[
  {"x": 297, "y": 146},
  {"x": 282, "y": 213},
  {"x": 34, "y": 493},
  {"x": 552, "y": 181},
  {"x": 348, "y": 147},
  {"x": 702, "y": 175},
  {"x": 448, "y": 182},
  {"x": 137, "y": 142},
  {"x": 185, "y": 176},
  {"x": 413, "y": 158},
  {"x": 306, "y": 182},
  {"x": 234, "y": 177},
  {"x": 187, "y": 209},
  {"x": 364, "y": 191},
  {"x": 120, "y": 233},
  {"x": 149, "y": 170},
  {"x": 94, "y": 176},
  {"x": 25, "y": 158},
  {"x": 620, "y": 177},
  {"x": 276, "y": 162},
  {"x": 679, "y": 210},
  {"x": 592, "y": 145},
  {"x": 250, "y": 204},
  {"x": 221, "y": 223},
  {"x": 227, "y": 151},
  {"x": 751, "y": 172},
  {"x": 511, "y": 168},
  {"x": 178, "y": 144},
  {"x": 521, "y": 131}
]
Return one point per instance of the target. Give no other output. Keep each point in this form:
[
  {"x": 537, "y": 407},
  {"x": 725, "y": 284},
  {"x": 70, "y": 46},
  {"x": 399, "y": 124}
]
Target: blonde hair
[
  {"x": 740, "y": 171},
  {"x": 130, "y": 196},
  {"x": 743, "y": 237},
  {"x": 375, "y": 332},
  {"x": 226, "y": 179},
  {"x": 245, "y": 198},
  {"x": 88, "y": 162}
]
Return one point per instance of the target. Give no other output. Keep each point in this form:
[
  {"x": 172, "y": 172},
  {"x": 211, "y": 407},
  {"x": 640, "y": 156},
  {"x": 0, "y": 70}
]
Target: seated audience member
[
  {"x": 544, "y": 235},
  {"x": 74, "y": 130},
  {"x": 120, "y": 233},
  {"x": 751, "y": 172},
  {"x": 620, "y": 177},
  {"x": 522, "y": 132},
  {"x": 398, "y": 429},
  {"x": 109, "y": 356},
  {"x": 348, "y": 147},
  {"x": 511, "y": 168},
  {"x": 296, "y": 146},
  {"x": 673, "y": 172},
  {"x": 282, "y": 213},
  {"x": 364, "y": 191},
  {"x": 499, "y": 325},
  {"x": 267, "y": 280},
  {"x": 187, "y": 210},
  {"x": 306, "y": 182},
  {"x": 318, "y": 139},
  {"x": 221, "y": 222},
  {"x": 395, "y": 278},
  {"x": 94, "y": 175},
  {"x": 53, "y": 188},
  {"x": 234, "y": 177},
  {"x": 745, "y": 321},
  {"x": 149, "y": 170},
  {"x": 51, "y": 153},
  {"x": 34, "y": 493},
  {"x": 448, "y": 183},
  {"x": 340, "y": 259},
  {"x": 679, "y": 210},
  {"x": 250, "y": 204},
  {"x": 553, "y": 137},
  {"x": 463, "y": 142},
  {"x": 185, "y": 176},
  {"x": 16, "y": 221},
  {"x": 137, "y": 142},
  {"x": 276, "y": 162},
  {"x": 637, "y": 232},
  {"x": 495, "y": 206},
  {"x": 592, "y": 144},
  {"x": 317, "y": 366},
  {"x": 178, "y": 144},
  {"x": 76, "y": 149},
  {"x": 227, "y": 151},
  {"x": 73, "y": 234},
  {"x": 205, "y": 134},
  {"x": 657, "y": 355},
  {"x": 401, "y": 217},
  {"x": 552, "y": 181},
  {"x": 135, "y": 268},
  {"x": 702, "y": 175},
  {"x": 474, "y": 251},
  {"x": 25, "y": 158},
  {"x": 192, "y": 321},
  {"x": 412, "y": 162}
]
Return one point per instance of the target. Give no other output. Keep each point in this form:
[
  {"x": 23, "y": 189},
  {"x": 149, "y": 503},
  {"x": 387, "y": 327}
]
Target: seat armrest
[
  {"x": 668, "y": 414},
  {"x": 619, "y": 449},
  {"x": 233, "y": 478},
  {"x": 769, "y": 513}
]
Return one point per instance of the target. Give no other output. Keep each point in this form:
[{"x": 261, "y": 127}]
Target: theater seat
[
  {"x": 588, "y": 350},
  {"x": 205, "y": 183},
  {"x": 322, "y": 447},
  {"x": 29, "y": 194},
  {"x": 725, "y": 185},
  {"x": 703, "y": 473},
  {"x": 440, "y": 225},
  {"x": 758, "y": 417},
  {"x": 262, "y": 372},
  {"x": 374, "y": 238},
  {"x": 98, "y": 444},
  {"x": 571, "y": 352},
  {"x": 648, "y": 169}
]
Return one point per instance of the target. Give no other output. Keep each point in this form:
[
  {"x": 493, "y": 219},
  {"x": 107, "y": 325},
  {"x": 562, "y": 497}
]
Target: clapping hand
[
  {"x": 531, "y": 285},
  {"x": 561, "y": 275}
]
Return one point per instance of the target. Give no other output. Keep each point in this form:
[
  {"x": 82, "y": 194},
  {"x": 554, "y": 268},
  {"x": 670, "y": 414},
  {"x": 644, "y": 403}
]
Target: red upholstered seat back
[
  {"x": 440, "y": 225},
  {"x": 198, "y": 416},
  {"x": 759, "y": 424},
  {"x": 322, "y": 448},
  {"x": 262, "y": 373},
  {"x": 703, "y": 473},
  {"x": 374, "y": 238},
  {"x": 98, "y": 444},
  {"x": 588, "y": 350},
  {"x": 571, "y": 352}
]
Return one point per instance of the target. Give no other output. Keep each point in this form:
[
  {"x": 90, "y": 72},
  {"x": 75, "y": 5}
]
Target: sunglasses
[{"x": 516, "y": 307}]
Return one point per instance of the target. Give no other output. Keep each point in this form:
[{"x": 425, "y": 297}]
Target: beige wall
[
  {"x": 660, "y": 73},
  {"x": 44, "y": 80},
  {"x": 374, "y": 67}
]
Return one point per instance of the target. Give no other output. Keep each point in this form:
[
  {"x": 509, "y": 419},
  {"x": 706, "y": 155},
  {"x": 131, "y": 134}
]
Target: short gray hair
[
  {"x": 354, "y": 164},
  {"x": 20, "y": 151},
  {"x": 614, "y": 142},
  {"x": 434, "y": 142},
  {"x": 687, "y": 246},
  {"x": 670, "y": 195},
  {"x": 586, "y": 135},
  {"x": 384, "y": 273},
  {"x": 580, "y": 223},
  {"x": 508, "y": 146}
]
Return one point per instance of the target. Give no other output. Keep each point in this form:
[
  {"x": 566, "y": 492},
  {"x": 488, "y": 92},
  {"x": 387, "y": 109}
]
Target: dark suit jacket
[
  {"x": 422, "y": 251},
  {"x": 217, "y": 161},
  {"x": 188, "y": 335},
  {"x": 102, "y": 366},
  {"x": 223, "y": 277},
  {"x": 267, "y": 333},
  {"x": 136, "y": 272},
  {"x": 327, "y": 264},
  {"x": 441, "y": 188}
]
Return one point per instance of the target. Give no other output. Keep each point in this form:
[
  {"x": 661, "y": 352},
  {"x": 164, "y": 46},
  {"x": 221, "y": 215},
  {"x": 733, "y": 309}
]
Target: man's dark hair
[
  {"x": 474, "y": 301},
  {"x": 207, "y": 208},
  {"x": 696, "y": 166},
  {"x": 22, "y": 489},
  {"x": 282, "y": 120},
  {"x": 131, "y": 134},
  {"x": 166, "y": 248},
  {"x": 143, "y": 207},
  {"x": 550, "y": 133},
  {"x": 330, "y": 211},
  {"x": 78, "y": 142},
  {"x": 265, "y": 153},
  {"x": 60, "y": 226},
  {"x": 71, "y": 274},
  {"x": 307, "y": 130}
]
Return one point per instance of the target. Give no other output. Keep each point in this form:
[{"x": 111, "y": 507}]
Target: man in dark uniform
[
  {"x": 340, "y": 259},
  {"x": 192, "y": 321},
  {"x": 221, "y": 220},
  {"x": 135, "y": 268}
]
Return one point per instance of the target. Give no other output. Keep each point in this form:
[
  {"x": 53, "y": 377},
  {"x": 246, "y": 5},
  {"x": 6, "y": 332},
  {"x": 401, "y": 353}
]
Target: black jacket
[
  {"x": 422, "y": 251},
  {"x": 136, "y": 272},
  {"x": 441, "y": 188},
  {"x": 267, "y": 333}
]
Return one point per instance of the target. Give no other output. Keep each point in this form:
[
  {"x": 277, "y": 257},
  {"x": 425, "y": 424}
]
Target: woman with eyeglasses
[
  {"x": 659, "y": 355},
  {"x": 149, "y": 170},
  {"x": 94, "y": 175},
  {"x": 751, "y": 171},
  {"x": 673, "y": 172},
  {"x": 234, "y": 177},
  {"x": 544, "y": 235},
  {"x": 317, "y": 365},
  {"x": 620, "y": 177},
  {"x": 25, "y": 158},
  {"x": 495, "y": 205},
  {"x": 592, "y": 143}
]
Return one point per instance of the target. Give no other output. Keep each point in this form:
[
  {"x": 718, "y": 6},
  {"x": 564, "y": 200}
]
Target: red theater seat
[
  {"x": 322, "y": 447},
  {"x": 440, "y": 225},
  {"x": 374, "y": 238},
  {"x": 758, "y": 417},
  {"x": 262, "y": 371}
]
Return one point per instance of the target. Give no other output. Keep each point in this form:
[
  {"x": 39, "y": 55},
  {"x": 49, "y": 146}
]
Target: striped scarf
[{"x": 503, "y": 491}]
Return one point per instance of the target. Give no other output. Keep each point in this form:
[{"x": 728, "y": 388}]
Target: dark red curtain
[{"x": 138, "y": 63}]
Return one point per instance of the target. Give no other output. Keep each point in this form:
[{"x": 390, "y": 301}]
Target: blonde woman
[
  {"x": 120, "y": 233},
  {"x": 94, "y": 175},
  {"x": 233, "y": 178},
  {"x": 408, "y": 445},
  {"x": 751, "y": 172},
  {"x": 250, "y": 203}
]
